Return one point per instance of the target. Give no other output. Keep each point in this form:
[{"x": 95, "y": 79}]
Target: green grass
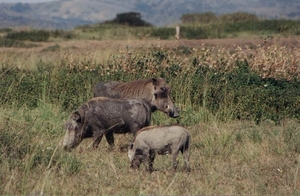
[
  {"x": 232, "y": 158},
  {"x": 243, "y": 118},
  {"x": 216, "y": 29}
]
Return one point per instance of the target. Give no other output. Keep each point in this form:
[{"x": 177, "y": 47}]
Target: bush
[
  {"x": 163, "y": 33},
  {"x": 237, "y": 17},
  {"x": 32, "y": 35},
  {"x": 4, "y": 42},
  {"x": 200, "y": 18},
  {"x": 235, "y": 92},
  {"x": 62, "y": 34},
  {"x": 130, "y": 19}
]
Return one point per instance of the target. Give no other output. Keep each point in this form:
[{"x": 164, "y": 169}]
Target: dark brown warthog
[
  {"x": 163, "y": 140},
  {"x": 154, "y": 90},
  {"x": 105, "y": 116}
]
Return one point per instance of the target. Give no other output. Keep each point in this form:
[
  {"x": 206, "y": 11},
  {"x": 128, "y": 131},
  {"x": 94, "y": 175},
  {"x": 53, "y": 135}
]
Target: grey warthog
[
  {"x": 154, "y": 90},
  {"x": 162, "y": 140},
  {"x": 105, "y": 116}
]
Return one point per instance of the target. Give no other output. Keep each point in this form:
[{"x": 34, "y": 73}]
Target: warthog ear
[
  {"x": 76, "y": 116},
  {"x": 156, "y": 82}
]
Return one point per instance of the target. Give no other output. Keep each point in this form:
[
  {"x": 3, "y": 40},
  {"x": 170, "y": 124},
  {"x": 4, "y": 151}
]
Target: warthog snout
[{"x": 173, "y": 111}]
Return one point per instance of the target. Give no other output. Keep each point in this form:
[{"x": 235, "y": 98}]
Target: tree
[{"x": 130, "y": 19}]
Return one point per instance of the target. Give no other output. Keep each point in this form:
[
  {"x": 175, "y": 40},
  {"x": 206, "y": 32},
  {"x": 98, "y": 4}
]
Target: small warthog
[
  {"x": 105, "y": 116},
  {"x": 162, "y": 140},
  {"x": 154, "y": 90}
]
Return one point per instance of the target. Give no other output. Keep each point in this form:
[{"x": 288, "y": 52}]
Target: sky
[{"x": 24, "y": 1}]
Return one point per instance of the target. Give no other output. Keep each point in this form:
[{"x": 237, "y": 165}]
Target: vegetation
[
  {"x": 240, "y": 104},
  {"x": 130, "y": 19},
  {"x": 32, "y": 35},
  {"x": 209, "y": 17},
  {"x": 5, "y": 42},
  {"x": 194, "y": 26},
  {"x": 199, "y": 26}
]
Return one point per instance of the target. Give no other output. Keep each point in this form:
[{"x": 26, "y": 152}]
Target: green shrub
[
  {"x": 5, "y": 42},
  {"x": 237, "y": 93},
  {"x": 200, "y": 18},
  {"x": 130, "y": 19},
  {"x": 32, "y": 35},
  {"x": 62, "y": 34},
  {"x": 163, "y": 32},
  {"x": 237, "y": 17}
]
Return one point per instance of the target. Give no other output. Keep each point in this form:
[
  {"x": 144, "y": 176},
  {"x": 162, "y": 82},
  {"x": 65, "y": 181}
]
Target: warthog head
[
  {"x": 135, "y": 156},
  {"x": 73, "y": 134},
  {"x": 161, "y": 98}
]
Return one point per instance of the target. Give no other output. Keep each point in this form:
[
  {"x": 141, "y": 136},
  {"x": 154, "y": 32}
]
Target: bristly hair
[{"x": 137, "y": 88}]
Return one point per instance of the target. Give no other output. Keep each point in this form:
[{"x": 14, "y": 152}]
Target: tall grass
[
  {"x": 240, "y": 84},
  {"x": 242, "y": 114},
  {"x": 233, "y": 158}
]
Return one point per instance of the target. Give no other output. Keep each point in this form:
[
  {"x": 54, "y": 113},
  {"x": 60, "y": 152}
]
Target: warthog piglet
[{"x": 168, "y": 139}]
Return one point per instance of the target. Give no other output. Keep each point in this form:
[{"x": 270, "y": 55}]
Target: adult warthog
[
  {"x": 154, "y": 90},
  {"x": 105, "y": 116},
  {"x": 168, "y": 139}
]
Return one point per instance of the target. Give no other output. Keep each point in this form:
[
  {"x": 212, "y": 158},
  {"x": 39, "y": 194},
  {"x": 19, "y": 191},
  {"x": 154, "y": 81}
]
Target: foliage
[
  {"x": 229, "y": 87},
  {"x": 246, "y": 158},
  {"x": 238, "y": 17},
  {"x": 5, "y": 42},
  {"x": 62, "y": 34},
  {"x": 209, "y": 17},
  {"x": 163, "y": 33},
  {"x": 241, "y": 105},
  {"x": 32, "y": 35},
  {"x": 203, "y": 18},
  {"x": 233, "y": 29},
  {"x": 130, "y": 26},
  {"x": 130, "y": 19},
  {"x": 5, "y": 30}
]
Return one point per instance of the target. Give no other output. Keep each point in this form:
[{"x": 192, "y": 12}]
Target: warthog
[
  {"x": 154, "y": 90},
  {"x": 105, "y": 116},
  {"x": 162, "y": 140}
]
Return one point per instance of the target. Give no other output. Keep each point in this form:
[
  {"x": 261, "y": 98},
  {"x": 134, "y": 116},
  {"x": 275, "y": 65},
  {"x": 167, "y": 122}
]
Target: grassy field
[{"x": 228, "y": 156}]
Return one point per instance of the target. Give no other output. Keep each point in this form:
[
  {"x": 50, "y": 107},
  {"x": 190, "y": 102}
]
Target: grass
[{"x": 228, "y": 156}]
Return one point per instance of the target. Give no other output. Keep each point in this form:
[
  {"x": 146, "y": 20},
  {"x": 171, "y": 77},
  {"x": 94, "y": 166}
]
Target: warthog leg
[
  {"x": 110, "y": 138},
  {"x": 175, "y": 161},
  {"x": 151, "y": 159},
  {"x": 186, "y": 157},
  {"x": 97, "y": 138}
]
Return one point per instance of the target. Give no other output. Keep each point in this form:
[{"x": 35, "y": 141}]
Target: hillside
[{"x": 66, "y": 14}]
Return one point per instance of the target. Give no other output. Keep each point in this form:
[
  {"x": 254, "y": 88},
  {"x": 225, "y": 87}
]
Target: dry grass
[
  {"x": 234, "y": 158},
  {"x": 277, "y": 57},
  {"x": 225, "y": 159}
]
